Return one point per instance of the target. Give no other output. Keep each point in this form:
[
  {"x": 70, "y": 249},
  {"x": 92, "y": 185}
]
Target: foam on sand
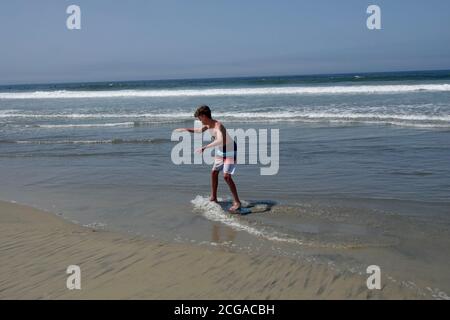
[{"x": 214, "y": 212}]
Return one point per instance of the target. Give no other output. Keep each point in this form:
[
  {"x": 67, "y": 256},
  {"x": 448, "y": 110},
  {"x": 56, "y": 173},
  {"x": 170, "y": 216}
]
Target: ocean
[{"x": 364, "y": 174}]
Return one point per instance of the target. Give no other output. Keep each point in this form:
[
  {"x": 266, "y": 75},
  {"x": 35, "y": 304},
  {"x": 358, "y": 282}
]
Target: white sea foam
[
  {"x": 92, "y": 115},
  {"x": 404, "y": 116},
  {"x": 214, "y": 212},
  {"x": 280, "y": 115},
  {"x": 84, "y": 125},
  {"x": 364, "y": 89},
  {"x": 299, "y": 115},
  {"x": 107, "y": 141},
  {"x": 161, "y": 117},
  {"x": 95, "y": 225}
]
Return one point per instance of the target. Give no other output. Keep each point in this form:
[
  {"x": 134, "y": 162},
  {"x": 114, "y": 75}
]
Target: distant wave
[
  {"x": 110, "y": 141},
  {"x": 277, "y": 115},
  {"x": 83, "y": 125},
  {"x": 404, "y": 115},
  {"x": 98, "y": 125},
  {"x": 292, "y": 115},
  {"x": 317, "y": 90},
  {"x": 17, "y": 114},
  {"x": 413, "y": 120}
]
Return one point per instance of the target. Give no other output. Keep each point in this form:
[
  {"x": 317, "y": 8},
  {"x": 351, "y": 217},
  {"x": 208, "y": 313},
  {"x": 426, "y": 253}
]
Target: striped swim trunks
[{"x": 225, "y": 160}]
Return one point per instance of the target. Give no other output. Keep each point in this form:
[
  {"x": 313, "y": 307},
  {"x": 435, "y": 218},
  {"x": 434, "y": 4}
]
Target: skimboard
[
  {"x": 257, "y": 208},
  {"x": 241, "y": 211}
]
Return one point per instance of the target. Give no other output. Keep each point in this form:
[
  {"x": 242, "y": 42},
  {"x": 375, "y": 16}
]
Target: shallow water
[{"x": 364, "y": 175}]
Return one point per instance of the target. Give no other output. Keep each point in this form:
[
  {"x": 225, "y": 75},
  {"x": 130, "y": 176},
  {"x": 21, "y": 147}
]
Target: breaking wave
[{"x": 317, "y": 90}]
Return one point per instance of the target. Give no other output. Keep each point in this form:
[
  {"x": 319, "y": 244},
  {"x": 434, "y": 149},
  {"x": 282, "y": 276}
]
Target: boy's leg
[
  {"x": 214, "y": 185},
  {"x": 233, "y": 189}
]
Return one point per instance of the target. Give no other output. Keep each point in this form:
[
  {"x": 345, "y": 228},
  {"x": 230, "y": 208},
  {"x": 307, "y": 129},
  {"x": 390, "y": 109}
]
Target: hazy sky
[{"x": 145, "y": 39}]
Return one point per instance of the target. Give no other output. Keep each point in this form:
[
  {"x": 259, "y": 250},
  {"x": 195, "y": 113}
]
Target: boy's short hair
[{"x": 203, "y": 110}]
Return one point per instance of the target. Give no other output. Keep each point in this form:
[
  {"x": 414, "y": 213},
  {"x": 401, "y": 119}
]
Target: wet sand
[{"x": 36, "y": 247}]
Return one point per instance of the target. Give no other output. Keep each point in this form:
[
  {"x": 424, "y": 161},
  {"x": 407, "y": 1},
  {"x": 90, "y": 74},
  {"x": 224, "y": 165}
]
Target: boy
[{"x": 225, "y": 153}]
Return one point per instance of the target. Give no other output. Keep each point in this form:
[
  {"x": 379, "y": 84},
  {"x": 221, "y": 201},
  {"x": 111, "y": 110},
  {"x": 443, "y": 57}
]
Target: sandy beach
[
  {"x": 36, "y": 248},
  {"x": 224, "y": 151}
]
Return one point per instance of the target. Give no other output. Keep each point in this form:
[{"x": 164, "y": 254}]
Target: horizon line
[{"x": 217, "y": 78}]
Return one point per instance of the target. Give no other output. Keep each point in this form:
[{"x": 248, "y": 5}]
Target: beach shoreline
[{"x": 37, "y": 247}]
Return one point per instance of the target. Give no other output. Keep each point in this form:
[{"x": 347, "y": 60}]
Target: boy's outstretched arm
[{"x": 193, "y": 130}]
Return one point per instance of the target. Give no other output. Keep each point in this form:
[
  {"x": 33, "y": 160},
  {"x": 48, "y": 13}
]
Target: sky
[{"x": 173, "y": 39}]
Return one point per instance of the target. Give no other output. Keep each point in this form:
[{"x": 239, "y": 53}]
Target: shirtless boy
[{"x": 225, "y": 153}]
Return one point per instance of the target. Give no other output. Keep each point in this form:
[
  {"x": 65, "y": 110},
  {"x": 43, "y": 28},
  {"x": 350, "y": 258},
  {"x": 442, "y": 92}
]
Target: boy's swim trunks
[{"x": 225, "y": 160}]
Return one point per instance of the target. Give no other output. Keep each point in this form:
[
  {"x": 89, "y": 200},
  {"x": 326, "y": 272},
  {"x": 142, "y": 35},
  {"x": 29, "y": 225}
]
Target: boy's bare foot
[
  {"x": 235, "y": 207},
  {"x": 213, "y": 199}
]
